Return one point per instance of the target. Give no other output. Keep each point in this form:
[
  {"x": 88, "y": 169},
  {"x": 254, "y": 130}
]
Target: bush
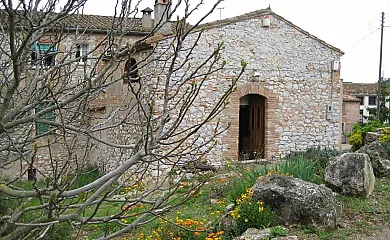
[
  {"x": 299, "y": 166},
  {"x": 360, "y": 130},
  {"x": 303, "y": 168},
  {"x": 251, "y": 214},
  {"x": 356, "y": 139},
  {"x": 239, "y": 187},
  {"x": 385, "y": 137}
]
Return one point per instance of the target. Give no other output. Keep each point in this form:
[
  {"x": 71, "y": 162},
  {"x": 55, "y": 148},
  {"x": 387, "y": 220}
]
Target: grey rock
[
  {"x": 255, "y": 234},
  {"x": 230, "y": 207},
  {"x": 371, "y": 137},
  {"x": 227, "y": 223},
  {"x": 297, "y": 201},
  {"x": 189, "y": 175},
  {"x": 379, "y": 158},
  {"x": 350, "y": 173},
  {"x": 286, "y": 238}
]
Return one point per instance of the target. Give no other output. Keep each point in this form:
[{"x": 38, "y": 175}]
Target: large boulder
[
  {"x": 297, "y": 201},
  {"x": 350, "y": 173},
  {"x": 378, "y": 156}
]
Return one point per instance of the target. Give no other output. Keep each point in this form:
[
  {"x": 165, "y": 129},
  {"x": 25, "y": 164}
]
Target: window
[
  {"x": 42, "y": 128},
  {"x": 372, "y": 100},
  {"x": 361, "y": 100},
  {"x": 361, "y": 115},
  {"x": 82, "y": 51},
  {"x": 43, "y": 55},
  {"x": 343, "y": 109},
  {"x": 131, "y": 71}
]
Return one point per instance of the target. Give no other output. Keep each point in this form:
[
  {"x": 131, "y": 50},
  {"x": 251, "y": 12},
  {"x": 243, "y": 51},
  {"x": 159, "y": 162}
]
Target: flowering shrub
[
  {"x": 359, "y": 131},
  {"x": 251, "y": 214},
  {"x": 385, "y": 135},
  {"x": 182, "y": 228},
  {"x": 356, "y": 139}
]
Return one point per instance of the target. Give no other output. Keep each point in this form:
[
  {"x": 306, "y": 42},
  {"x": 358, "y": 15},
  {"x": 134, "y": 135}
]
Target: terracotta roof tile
[
  {"x": 360, "y": 88},
  {"x": 349, "y": 98},
  {"x": 83, "y": 22}
]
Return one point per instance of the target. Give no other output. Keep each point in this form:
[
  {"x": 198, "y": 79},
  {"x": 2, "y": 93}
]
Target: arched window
[{"x": 131, "y": 71}]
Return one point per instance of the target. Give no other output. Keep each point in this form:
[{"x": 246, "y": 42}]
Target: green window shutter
[
  {"x": 43, "y": 48},
  {"x": 42, "y": 128}
]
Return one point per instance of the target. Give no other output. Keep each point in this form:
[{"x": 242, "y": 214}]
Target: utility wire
[{"x": 361, "y": 39}]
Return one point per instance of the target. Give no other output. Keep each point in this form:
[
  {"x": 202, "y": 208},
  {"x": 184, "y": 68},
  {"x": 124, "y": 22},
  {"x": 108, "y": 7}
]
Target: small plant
[
  {"x": 299, "y": 166},
  {"x": 356, "y": 139},
  {"x": 240, "y": 186},
  {"x": 278, "y": 231},
  {"x": 251, "y": 214},
  {"x": 305, "y": 169}
]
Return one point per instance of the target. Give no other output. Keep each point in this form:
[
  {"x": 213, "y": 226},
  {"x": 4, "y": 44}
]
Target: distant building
[
  {"x": 366, "y": 93},
  {"x": 351, "y": 115}
]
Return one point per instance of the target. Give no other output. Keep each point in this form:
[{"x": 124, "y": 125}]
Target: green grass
[
  {"x": 357, "y": 204},
  {"x": 226, "y": 190}
]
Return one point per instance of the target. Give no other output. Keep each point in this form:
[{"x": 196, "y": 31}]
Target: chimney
[
  {"x": 162, "y": 11},
  {"x": 147, "y": 18}
]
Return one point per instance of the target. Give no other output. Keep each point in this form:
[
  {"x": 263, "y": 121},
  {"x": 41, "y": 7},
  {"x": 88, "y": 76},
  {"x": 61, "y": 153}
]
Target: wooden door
[{"x": 257, "y": 126}]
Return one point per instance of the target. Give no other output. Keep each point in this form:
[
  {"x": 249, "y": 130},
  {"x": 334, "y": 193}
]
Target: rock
[
  {"x": 176, "y": 181},
  {"x": 371, "y": 137},
  {"x": 189, "y": 175},
  {"x": 286, "y": 238},
  {"x": 227, "y": 224},
  {"x": 297, "y": 201},
  {"x": 255, "y": 234},
  {"x": 230, "y": 207},
  {"x": 350, "y": 173},
  {"x": 379, "y": 158}
]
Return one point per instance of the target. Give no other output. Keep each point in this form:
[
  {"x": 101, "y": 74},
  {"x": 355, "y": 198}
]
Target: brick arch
[
  {"x": 270, "y": 119},
  {"x": 252, "y": 88}
]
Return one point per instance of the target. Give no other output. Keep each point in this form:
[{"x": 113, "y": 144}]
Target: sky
[{"x": 350, "y": 25}]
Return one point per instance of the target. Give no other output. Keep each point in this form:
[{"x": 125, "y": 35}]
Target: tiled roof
[
  {"x": 95, "y": 22},
  {"x": 349, "y": 98},
  {"x": 82, "y": 22},
  {"x": 356, "y": 89}
]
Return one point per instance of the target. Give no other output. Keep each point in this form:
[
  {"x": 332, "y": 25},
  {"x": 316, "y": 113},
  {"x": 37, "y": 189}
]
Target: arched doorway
[{"x": 252, "y": 126}]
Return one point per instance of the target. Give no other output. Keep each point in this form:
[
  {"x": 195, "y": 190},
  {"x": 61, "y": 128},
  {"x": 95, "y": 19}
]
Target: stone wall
[
  {"x": 66, "y": 150},
  {"x": 284, "y": 64},
  {"x": 351, "y": 115}
]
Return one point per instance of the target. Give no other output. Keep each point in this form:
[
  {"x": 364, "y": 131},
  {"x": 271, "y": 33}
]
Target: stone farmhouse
[{"x": 289, "y": 98}]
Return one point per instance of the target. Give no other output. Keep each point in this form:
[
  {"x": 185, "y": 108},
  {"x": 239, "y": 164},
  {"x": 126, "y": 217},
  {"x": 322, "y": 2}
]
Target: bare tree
[{"x": 122, "y": 104}]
